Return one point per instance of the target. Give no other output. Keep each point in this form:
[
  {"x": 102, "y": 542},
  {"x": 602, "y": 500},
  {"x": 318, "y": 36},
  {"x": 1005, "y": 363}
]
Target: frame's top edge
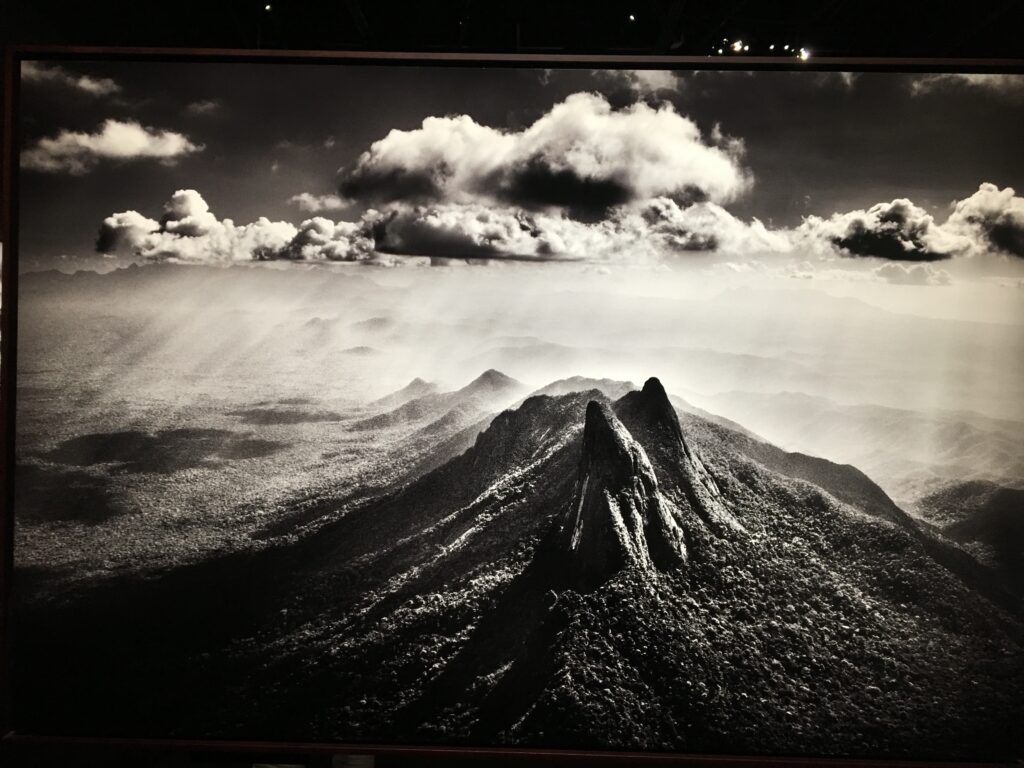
[{"x": 20, "y": 51}]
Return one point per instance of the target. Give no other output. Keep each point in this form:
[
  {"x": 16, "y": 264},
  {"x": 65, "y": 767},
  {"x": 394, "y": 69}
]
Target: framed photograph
[{"x": 551, "y": 406}]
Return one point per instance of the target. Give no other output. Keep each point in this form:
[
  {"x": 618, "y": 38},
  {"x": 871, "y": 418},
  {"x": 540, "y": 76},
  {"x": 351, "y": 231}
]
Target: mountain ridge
[{"x": 446, "y": 611}]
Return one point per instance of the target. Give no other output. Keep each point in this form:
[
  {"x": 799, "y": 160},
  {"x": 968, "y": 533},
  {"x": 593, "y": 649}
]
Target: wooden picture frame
[{"x": 687, "y": 481}]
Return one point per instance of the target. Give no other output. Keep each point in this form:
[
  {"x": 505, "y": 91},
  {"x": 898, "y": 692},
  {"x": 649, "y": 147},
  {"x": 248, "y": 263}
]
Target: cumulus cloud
[
  {"x": 914, "y": 274},
  {"x": 78, "y": 153},
  {"x": 582, "y": 158},
  {"x": 38, "y": 72},
  {"x": 642, "y": 82},
  {"x": 188, "y": 232},
  {"x": 991, "y": 221},
  {"x": 707, "y": 226},
  {"x": 188, "y": 215},
  {"x": 120, "y": 232},
  {"x": 317, "y": 203},
  {"x": 320, "y": 239},
  {"x": 456, "y": 230},
  {"x": 992, "y": 218},
  {"x": 1002, "y": 85},
  {"x": 899, "y": 231}
]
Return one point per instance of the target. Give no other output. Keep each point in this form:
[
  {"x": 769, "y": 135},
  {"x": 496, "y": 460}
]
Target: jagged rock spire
[
  {"x": 651, "y": 419},
  {"x": 618, "y": 517}
]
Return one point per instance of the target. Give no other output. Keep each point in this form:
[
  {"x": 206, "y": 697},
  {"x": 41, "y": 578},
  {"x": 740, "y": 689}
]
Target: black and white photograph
[{"x": 646, "y": 410}]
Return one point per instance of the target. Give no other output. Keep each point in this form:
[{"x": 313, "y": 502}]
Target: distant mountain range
[
  {"x": 909, "y": 453},
  {"x": 418, "y": 401}
]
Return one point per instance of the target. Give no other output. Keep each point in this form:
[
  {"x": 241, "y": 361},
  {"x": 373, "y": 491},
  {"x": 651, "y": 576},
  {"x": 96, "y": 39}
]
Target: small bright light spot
[
  {"x": 804, "y": 54},
  {"x": 737, "y": 46},
  {"x": 746, "y": 47},
  {"x": 266, "y": 7},
  {"x": 771, "y": 47},
  {"x": 719, "y": 51},
  {"x": 632, "y": 17},
  {"x": 785, "y": 47}
]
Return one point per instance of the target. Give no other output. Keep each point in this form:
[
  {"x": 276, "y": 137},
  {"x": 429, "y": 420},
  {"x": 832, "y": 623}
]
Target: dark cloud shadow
[
  {"x": 51, "y": 494},
  {"x": 536, "y": 185},
  {"x": 1007, "y": 237},
  {"x": 384, "y": 186},
  {"x": 883, "y": 244},
  {"x": 273, "y": 416},
  {"x": 162, "y": 452}
]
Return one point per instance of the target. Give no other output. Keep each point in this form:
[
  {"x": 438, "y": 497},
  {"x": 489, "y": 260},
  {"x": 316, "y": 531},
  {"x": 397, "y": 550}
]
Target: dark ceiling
[{"x": 938, "y": 28}]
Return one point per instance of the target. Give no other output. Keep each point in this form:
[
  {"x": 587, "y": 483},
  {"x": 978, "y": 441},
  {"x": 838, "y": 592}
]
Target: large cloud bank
[
  {"x": 582, "y": 158},
  {"x": 583, "y": 182},
  {"x": 991, "y": 221},
  {"x": 189, "y": 232},
  {"x": 77, "y": 153}
]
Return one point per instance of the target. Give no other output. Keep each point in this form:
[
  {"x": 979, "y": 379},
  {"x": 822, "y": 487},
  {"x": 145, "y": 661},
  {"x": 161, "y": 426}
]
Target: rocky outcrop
[
  {"x": 618, "y": 517},
  {"x": 652, "y": 421}
]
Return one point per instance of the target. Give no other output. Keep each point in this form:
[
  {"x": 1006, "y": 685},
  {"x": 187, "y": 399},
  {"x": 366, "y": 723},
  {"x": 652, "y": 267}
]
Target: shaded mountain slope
[
  {"x": 959, "y": 502},
  {"x": 844, "y": 481},
  {"x": 849, "y": 485},
  {"x": 986, "y": 518}
]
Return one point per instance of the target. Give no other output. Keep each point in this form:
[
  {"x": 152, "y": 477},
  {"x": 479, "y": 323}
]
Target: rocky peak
[
  {"x": 491, "y": 381},
  {"x": 608, "y": 450},
  {"x": 493, "y": 377},
  {"x": 652, "y": 420},
  {"x": 651, "y": 407},
  {"x": 618, "y": 517}
]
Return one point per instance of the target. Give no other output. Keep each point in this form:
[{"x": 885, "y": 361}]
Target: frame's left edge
[{"x": 8, "y": 341}]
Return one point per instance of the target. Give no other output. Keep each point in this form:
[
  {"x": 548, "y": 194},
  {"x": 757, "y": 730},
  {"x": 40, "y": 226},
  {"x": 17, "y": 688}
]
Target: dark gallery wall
[
  {"x": 883, "y": 28},
  {"x": 846, "y": 28}
]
